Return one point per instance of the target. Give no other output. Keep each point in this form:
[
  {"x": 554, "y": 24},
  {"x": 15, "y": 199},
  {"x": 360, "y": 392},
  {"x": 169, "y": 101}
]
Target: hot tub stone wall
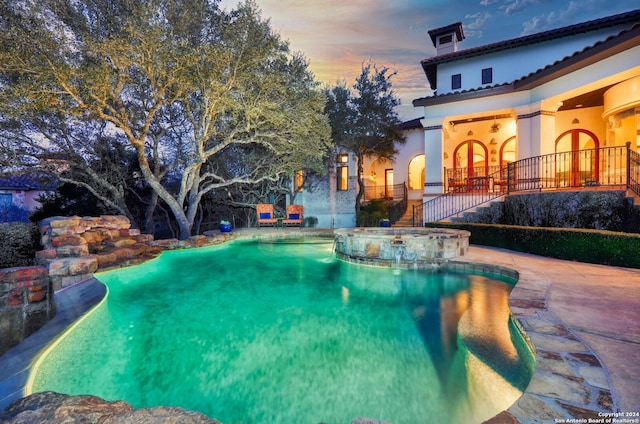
[{"x": 419, "y": 248}]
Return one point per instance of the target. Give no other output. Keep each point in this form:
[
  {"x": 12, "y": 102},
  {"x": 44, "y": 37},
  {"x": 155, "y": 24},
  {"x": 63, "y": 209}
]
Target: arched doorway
[
  {"x": 508, "y": 152},
  {"x": 578, "y": 155},
  {"x": 472, "y": 155},
  {"x": 471, "y": 164},
  {"x": 416, "y": 173}
]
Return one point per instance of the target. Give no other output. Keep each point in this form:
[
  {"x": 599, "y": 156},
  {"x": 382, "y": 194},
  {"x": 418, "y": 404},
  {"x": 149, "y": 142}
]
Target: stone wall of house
[
  {"x": 334, "y": 209},
  {"x": 25, "y": 303}
]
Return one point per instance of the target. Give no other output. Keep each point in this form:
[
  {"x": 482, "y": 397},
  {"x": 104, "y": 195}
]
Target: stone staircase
[{"x": 407, "y": 219}]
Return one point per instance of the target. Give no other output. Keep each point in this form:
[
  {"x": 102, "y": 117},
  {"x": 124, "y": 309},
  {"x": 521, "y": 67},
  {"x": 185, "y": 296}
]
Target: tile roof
[
  {"x": 24, "y": 182},
  {"x": 620, "y": 19},
  {"x": 456, "y": 27},
  {"x": 413, "y": 124}
]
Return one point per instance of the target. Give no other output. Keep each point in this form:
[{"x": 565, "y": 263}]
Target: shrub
[
  {"x": 310, "y": 221},
  {"x": 19, "y": 242},
  {"x": 372, "y": 213},
  {"x": 592, "y": 246}
]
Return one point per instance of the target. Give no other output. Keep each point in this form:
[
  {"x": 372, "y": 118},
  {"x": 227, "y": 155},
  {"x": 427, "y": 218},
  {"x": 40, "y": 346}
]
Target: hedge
[
  {"x": 591, "y": 246},
  {"x": 19, "y": 242}
]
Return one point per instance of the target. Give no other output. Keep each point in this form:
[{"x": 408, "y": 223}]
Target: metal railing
[
  {"x": 399, "y": 206},
  {"x": 396, "y": 193},
  {"x": 455, "y": 177},
  {"x": 589, "y": 168},
  {"x": 633, "y": 176},
  {"x": 391, "y": 192}
]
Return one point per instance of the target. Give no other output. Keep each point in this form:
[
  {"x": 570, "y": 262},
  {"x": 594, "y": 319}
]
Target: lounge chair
[
  {"x": 294, "y": 216},
  {"x": 265, "y": 216}
]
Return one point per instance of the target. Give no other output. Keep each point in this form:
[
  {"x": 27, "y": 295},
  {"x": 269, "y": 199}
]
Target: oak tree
[{"x": 191, "y": 90}]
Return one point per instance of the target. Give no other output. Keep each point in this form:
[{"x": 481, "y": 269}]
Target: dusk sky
[{"x": 337, "y": 36}]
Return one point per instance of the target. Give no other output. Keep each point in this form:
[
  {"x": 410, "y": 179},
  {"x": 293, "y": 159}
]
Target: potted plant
[
  {"x": 310, "y": 221},
  {"x": 225, "y": 226},
  {"x": 385, "y": 223}
]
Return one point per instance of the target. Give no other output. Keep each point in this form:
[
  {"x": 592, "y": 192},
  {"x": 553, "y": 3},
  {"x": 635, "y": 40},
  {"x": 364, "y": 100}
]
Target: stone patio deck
[{"x": 584, "y": 322}]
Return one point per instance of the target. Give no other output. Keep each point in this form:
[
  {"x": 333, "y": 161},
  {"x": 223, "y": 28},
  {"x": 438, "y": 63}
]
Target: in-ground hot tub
[{"x": 400, "y": 247}]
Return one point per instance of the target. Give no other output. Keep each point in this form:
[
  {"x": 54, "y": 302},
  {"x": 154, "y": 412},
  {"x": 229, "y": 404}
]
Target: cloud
[
  {"x": 556, "y": 18},
  {"x": 337, "y": 36},
  {"x": 516, "y": 6},
  {"x": 478, "y": 20}
]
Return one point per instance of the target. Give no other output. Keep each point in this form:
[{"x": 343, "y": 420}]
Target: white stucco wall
[
  {"x": 413, "y": 147},
  {"x": 512, "y": 64}
]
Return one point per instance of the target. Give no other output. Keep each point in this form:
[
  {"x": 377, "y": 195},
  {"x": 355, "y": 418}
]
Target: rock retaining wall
[
  {"x": 74, "y": 248},
  {"x": 25, "y": 303}
]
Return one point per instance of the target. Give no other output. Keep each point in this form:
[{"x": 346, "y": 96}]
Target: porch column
[
  {"x": 433, "y": 164},
  {"x": 536, "y": 130}
]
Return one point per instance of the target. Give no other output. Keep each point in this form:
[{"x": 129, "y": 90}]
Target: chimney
[{"x": 445, "y": 39}]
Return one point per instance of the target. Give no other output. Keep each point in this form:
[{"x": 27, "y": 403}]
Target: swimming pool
[{"x": 276, "y": 332}]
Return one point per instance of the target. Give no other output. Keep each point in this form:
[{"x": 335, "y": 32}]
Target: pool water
[{"x": 268, "y": 332}]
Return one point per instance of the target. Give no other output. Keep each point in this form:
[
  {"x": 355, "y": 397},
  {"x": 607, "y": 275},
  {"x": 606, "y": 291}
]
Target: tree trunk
[
  {"x": 176, "y": 208},
  {"x": 149, "y": 222},
  {"x": 360, "y": 193}
]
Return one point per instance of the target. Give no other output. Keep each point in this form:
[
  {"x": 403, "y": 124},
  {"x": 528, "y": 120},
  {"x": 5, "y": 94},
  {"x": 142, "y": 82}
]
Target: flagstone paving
[{"x": 583, "y": 321}]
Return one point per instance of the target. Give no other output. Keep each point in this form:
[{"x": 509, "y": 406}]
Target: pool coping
[
  {"x": 72, "y": 302},
  {"x": 569, "y": 379}
]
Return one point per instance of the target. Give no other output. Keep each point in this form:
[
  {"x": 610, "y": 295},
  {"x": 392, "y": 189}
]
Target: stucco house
[
  {"x": 560, "y": 106},
  {"x": 554, "y": 110}
]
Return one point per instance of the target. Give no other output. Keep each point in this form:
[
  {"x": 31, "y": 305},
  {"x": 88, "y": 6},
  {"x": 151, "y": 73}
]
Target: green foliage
[
  {"x": 19, "y": 242},
  {"x": 202, "y": 99},
  {"x": 310, "y": 221},
  {"x": 600, "y": 210},
  {"x": 608, "y": 210},
  {"x": 365, "y": 122},
  {"x": 69, "y": 200},
  {"x": 372, "y": 213},
  {"x": 592, "y": 246}
]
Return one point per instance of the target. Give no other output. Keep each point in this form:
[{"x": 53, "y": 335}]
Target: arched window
[{"x": 416, "y": 173}]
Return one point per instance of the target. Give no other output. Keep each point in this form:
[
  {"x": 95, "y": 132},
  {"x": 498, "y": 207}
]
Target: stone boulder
[{"x": 51, "y": 407}]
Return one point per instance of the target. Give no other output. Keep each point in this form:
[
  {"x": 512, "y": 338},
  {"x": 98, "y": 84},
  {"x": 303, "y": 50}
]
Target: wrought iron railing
[
  {"x": 391, "y": 192},
  {"x": 396, "y": 193},
  {"x": 399, "y": 206},
  {"x": 607, "y": 166},
  {"x": 455, "y": 177},
  {"x": 633, "y": 176}
]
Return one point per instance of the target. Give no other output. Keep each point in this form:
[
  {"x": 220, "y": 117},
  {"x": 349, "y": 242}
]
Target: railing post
[
  {"x": 628, "y": 164},
  {"x": 413, "y": 215}
]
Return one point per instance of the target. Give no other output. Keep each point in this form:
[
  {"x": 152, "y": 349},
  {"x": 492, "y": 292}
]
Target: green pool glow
[{"x": 275, "y": 332}]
